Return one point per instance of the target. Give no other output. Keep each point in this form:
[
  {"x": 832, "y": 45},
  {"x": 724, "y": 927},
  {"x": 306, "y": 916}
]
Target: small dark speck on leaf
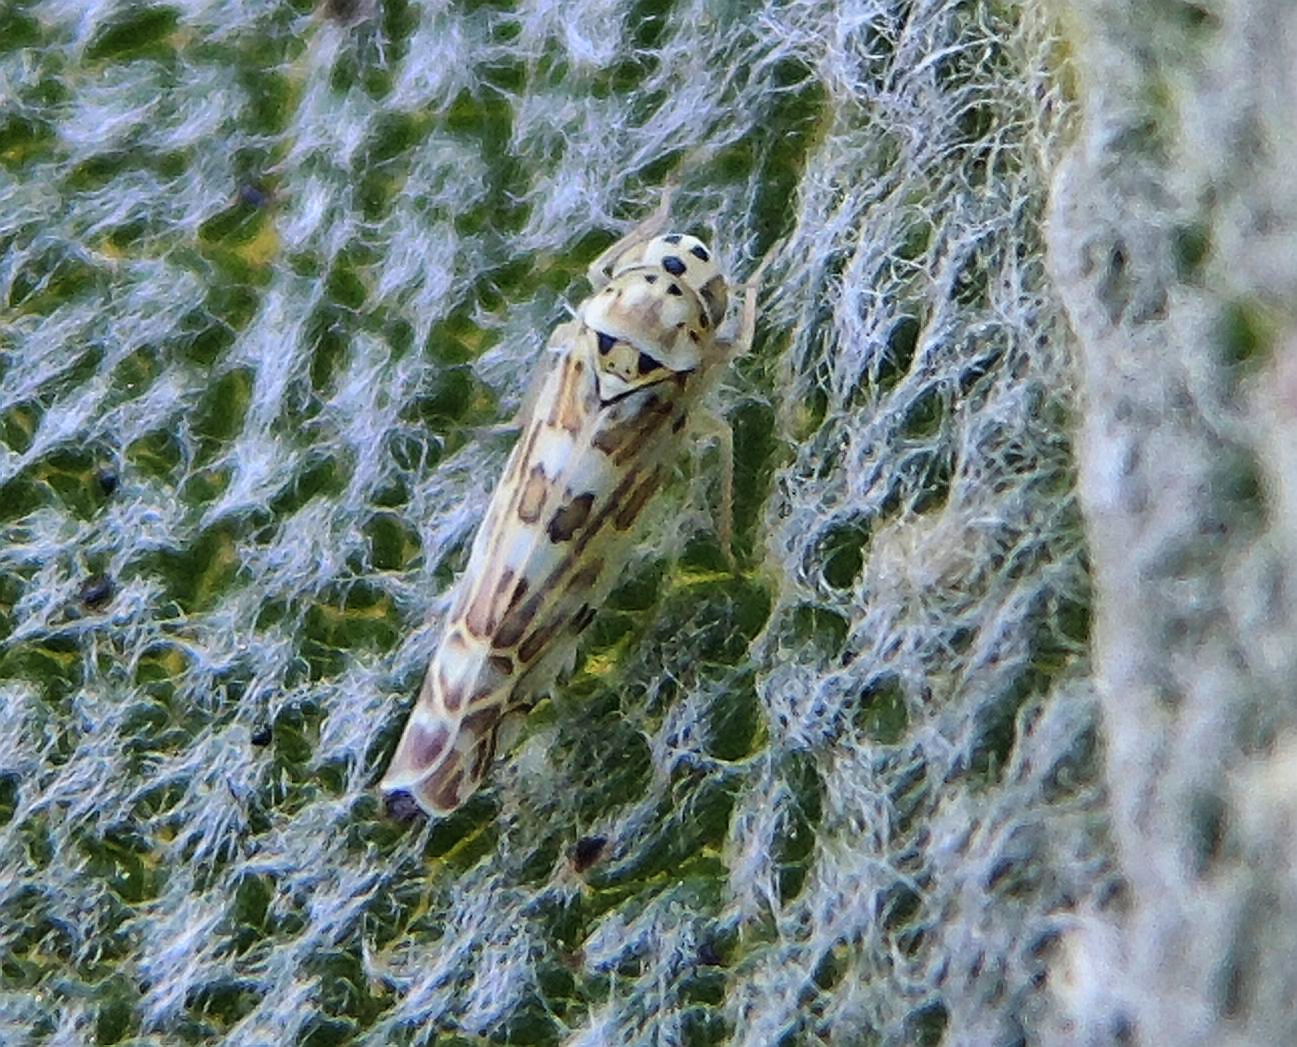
[
  {"x": 587, "y": 852},
  {"x": 96, "y": 590},
  {"x": 348, "y": 12},
  {"x": 253, "y": 195},
  {"x": 262, "y": 735},
  {"x": 108, "y": 481},
  {"x": 709, "y": 955}
]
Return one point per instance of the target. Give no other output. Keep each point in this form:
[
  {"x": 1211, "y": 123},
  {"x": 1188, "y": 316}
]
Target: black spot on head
[
  {"x": 647, "y": 365},
  {"x": 700, "y": 252},
  {"x": 674, "y": 289},
  {"x": 651, "y": 278},
  {"x": 606, "y": 342},
  {"x": 673, "y": 265},
  {"x": 674, "y": 238}
]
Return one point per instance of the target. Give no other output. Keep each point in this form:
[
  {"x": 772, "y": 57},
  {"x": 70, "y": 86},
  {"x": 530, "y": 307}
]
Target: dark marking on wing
[
  {"x": 486, "y": 687},
  {"x": 520, "y": 616},
  {"x": 502, "y": 664},
  {"x": 506, "y": 591},
  {"x": 607, "y": 440},
  {"x": 567, "y": 413},
  {"x": 674, "y": 265},
  {"x": 428, "y": 743},
  {"x": 452, "y": 696},
  {"x": 629, "y": 512},
  {"x": 517, "y": 621},
  {"x": 673, "y": 239},
  {"x": 586, "y": 577},
  {"x": 700, "y": 252},
  {"x": 682, "y": 419},
  {"x": 522, "y": 452},
  {"x": 539, "y": 640},
  {"x": 675, "y": 290},
  {"x": 570, "y": 518},
  {"x": 623, "y": 439},
  {"x": 482, "y": 755},
  {"x": 533, "y": 495},
  {"x": 606, "y": 342},
  {"x": 484, "y": 613},
  {"x": 651, "y": 278},
  {"x": 479, "y": 620},
  {"x": 646, "y": 364},
  {"x": 445, "y": 794},
  {"x": 490, "y": 681},
  {"x": 519, "y": 591},
  {"x": 479, "y": 722},
  {"x": 582, "y": 619}
]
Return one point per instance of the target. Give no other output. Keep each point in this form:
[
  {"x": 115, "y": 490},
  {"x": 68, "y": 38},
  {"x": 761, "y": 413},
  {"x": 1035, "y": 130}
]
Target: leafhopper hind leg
[{"x": 599, "y": 271}]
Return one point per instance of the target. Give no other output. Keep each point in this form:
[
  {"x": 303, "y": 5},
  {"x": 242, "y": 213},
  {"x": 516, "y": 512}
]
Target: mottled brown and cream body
[{"x": 605, "y": 424}]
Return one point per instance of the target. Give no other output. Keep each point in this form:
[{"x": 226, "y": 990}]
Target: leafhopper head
[{"x": 659, "y": 312}]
